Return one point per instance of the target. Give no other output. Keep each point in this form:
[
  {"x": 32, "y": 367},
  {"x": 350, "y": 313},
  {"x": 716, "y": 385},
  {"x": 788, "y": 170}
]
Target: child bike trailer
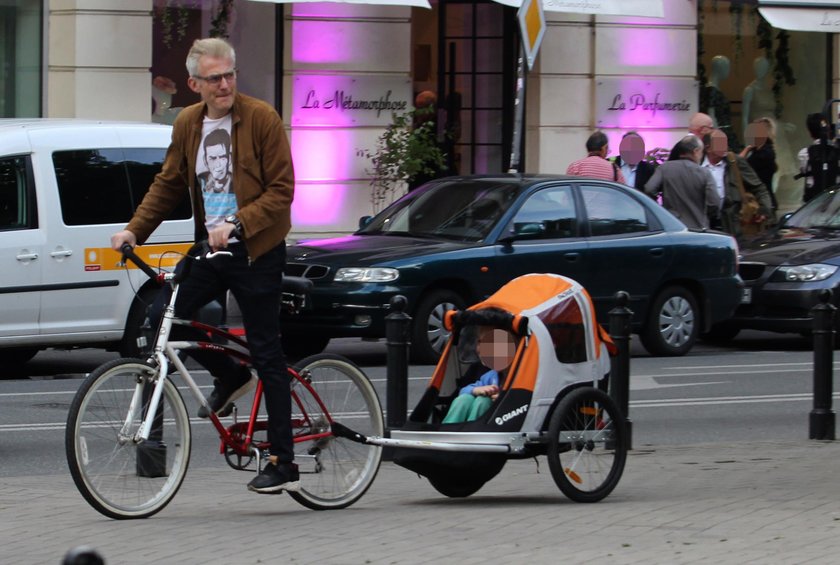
[{"x": 547, "y": 402}]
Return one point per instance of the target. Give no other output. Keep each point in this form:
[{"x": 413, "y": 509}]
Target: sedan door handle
[
  {"x": 571, "y": 257},
  {"x": 657, "y": 251},
  {"x": 27, "y": 257},
  {"x": 64, "y": 253}
]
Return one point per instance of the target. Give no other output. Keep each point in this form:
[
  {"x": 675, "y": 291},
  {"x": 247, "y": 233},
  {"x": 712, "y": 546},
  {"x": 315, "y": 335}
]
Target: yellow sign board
[
  {"x": 532, "y": 28},
  {"x": 161, "y": 256}
]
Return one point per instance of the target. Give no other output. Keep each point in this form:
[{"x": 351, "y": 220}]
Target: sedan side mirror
[
  {"x": 364, "y": 220},
  {"x": 523, "y": 230}
]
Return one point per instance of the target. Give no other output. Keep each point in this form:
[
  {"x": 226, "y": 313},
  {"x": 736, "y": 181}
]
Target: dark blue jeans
[{"x": 256, "y": 287}]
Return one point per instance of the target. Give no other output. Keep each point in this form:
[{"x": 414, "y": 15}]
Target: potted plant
[{"x": 407, "y": 149}]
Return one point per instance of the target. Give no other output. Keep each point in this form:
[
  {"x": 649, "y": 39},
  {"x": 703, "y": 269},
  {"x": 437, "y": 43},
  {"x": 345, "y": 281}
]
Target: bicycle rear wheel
[
  {"x": 117, "y": 476},
  {"x": 334, "y": 472}
]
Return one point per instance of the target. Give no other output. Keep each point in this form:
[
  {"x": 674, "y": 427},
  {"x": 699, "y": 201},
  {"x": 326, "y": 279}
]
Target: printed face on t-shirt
[{"x": 217, "y": 159}]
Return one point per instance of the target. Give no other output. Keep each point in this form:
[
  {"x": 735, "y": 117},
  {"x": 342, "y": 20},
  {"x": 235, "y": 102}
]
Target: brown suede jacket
[{"x": 263, "y": 176}]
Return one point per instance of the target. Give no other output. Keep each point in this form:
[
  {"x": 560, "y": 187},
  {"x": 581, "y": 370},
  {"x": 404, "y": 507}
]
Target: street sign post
[{"x": 532, "y": 29}]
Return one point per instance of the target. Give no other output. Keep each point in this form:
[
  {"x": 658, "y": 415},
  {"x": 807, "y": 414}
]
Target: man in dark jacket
[
  {"x": 631, "y": 160},
  {"x": 732, "y": 173}
]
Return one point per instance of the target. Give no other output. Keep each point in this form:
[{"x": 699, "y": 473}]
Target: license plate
[{"x": 746, "y": 296}]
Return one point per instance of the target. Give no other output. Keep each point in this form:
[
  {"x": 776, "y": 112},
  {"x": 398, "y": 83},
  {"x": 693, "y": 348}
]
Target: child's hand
[{"x": 486, "y": 390}]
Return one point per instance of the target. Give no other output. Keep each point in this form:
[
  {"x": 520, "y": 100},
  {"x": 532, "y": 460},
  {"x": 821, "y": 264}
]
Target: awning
[
  {"x": 802, "y": 15},
  {"x": 647, "y": 8},
  {"x": 416, "y": 3}
]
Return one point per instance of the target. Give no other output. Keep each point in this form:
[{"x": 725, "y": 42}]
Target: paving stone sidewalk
[{"x": 736, "y": 503}]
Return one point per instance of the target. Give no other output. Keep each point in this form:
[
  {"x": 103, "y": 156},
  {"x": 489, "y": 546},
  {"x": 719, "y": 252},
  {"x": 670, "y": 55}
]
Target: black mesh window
[
  {"x": 92, "y": 187},
  {"x": 16, "y": 209},
  {"x": 565, "y": 324}
]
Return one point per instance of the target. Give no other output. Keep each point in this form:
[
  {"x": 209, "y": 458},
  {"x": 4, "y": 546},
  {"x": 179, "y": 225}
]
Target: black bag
[{"x": 822, "y": 168}]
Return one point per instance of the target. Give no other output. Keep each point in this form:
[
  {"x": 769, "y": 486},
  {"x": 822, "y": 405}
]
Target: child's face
[{"x": 496, "y": 349}]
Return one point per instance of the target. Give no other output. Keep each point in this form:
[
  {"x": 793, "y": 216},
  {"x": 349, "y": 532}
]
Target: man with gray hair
[
  {"x": 688, "y": 190},
  {"x": 249, "y": 216}
]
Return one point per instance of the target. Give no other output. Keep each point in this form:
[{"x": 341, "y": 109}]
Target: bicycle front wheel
[
  {"x": 116, "y": 475},
  {"x": 334, "y": 472}
]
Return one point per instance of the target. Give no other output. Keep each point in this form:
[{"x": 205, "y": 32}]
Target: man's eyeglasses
[{"x": 215, "y": 80}]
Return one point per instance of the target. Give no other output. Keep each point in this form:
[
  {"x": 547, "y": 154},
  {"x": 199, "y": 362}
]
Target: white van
[{"x": 65, "y": 187}]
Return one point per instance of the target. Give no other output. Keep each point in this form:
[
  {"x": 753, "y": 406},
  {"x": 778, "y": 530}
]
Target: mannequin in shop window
[{"x": 717, "y": 102}]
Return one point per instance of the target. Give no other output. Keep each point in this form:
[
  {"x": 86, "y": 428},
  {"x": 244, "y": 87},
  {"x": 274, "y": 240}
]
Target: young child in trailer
[{"x": 495, "y": 350}]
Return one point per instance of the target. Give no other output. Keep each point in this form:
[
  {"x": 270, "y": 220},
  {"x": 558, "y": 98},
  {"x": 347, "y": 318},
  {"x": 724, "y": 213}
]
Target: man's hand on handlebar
[
  {"x": 218, "y": 237},
  {"x": 121, "y": 238}
]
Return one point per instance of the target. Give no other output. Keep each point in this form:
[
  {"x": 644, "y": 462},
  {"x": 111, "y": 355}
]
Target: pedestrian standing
[
  {"x": 595, "y": 165},
  {"x": 688, "y": 191},
  {"x": 760, "y": 153},
  {"x": 736, "y": 182},
  {"x": 632, "y": 161}
]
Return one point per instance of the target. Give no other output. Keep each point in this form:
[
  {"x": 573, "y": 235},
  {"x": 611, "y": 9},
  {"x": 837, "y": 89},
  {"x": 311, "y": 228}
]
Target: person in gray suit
[{"x": 688, "y": 190}]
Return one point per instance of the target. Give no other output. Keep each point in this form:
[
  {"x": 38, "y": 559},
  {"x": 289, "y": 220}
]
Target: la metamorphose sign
[
  {"x": 646, "y": 103},
  {"x": 330, "y": 100}
]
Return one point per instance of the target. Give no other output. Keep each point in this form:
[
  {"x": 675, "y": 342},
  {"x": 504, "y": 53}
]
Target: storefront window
[
  {"x": 20, "y": 58},
  {"x": 250, "y": 28},
  {"x": 746, "y": 68}
]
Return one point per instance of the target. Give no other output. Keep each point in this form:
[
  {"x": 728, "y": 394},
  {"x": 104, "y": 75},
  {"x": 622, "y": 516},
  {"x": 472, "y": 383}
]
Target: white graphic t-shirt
[{"x": 214, "y": 171}]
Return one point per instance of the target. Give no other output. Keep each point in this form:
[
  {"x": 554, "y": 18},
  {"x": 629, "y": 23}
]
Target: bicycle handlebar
[
  {"x": 200, "y": 250},
  {"x": 128, "y": 253}
]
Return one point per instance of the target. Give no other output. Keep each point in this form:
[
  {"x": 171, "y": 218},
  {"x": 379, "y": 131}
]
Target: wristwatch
[{"x": 237, "y": 225}]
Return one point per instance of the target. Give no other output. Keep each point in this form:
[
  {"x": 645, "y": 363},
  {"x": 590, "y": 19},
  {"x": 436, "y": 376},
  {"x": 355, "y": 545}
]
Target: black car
[
  {"x": 786, "y": 269},
  {"x": 455, "y": 241}
]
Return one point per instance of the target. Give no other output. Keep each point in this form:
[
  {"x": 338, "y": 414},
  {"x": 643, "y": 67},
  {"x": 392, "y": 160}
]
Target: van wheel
[
  {"x": 672, "y": 324},
  {"x": 16, "y": 356},
  {"x": 428, "y": 334},
  {"x": 138, "y": 327}
]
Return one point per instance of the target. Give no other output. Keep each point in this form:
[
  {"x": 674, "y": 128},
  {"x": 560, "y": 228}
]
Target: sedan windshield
[
  {"x": 821, "y": 212},
  {"x": 458, "y": 210}
]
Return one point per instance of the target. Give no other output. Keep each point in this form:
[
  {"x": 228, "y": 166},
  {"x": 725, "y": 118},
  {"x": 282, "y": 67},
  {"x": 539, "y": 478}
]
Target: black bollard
[
  {"x": 83, "y": 555},
  {"x": 821, "y": 420},
  {"x": 397, "y": 325},
  {"x": 619, "y": 384}
]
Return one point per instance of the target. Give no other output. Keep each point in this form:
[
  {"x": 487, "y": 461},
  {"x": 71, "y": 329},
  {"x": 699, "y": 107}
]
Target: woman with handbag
[{"x": 760, "y": 153}]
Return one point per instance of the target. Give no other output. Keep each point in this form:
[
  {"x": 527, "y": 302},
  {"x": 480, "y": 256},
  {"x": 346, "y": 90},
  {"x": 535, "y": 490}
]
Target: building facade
[{"x": 337, "y": 72}]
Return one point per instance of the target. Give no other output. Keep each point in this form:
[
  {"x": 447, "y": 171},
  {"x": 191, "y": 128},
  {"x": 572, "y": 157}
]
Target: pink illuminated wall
[
  {"x": 318, "y": 205},
  {"x": 349, "y": 73}
]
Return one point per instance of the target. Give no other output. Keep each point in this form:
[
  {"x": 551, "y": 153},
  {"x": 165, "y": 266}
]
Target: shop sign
[
  {"x": 644, "y": 103},
  {"x": 647, "y": 8},
  {"x": 331, "y": 100}
]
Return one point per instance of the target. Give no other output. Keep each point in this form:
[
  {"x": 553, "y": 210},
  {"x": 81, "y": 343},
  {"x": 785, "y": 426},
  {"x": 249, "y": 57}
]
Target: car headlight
[
  {"x": 362, "y": 274},
  {"x": 807, "y": 273}
]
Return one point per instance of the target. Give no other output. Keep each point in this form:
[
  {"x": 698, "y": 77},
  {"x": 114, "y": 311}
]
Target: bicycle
[{"x": 128, "y": 435}]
